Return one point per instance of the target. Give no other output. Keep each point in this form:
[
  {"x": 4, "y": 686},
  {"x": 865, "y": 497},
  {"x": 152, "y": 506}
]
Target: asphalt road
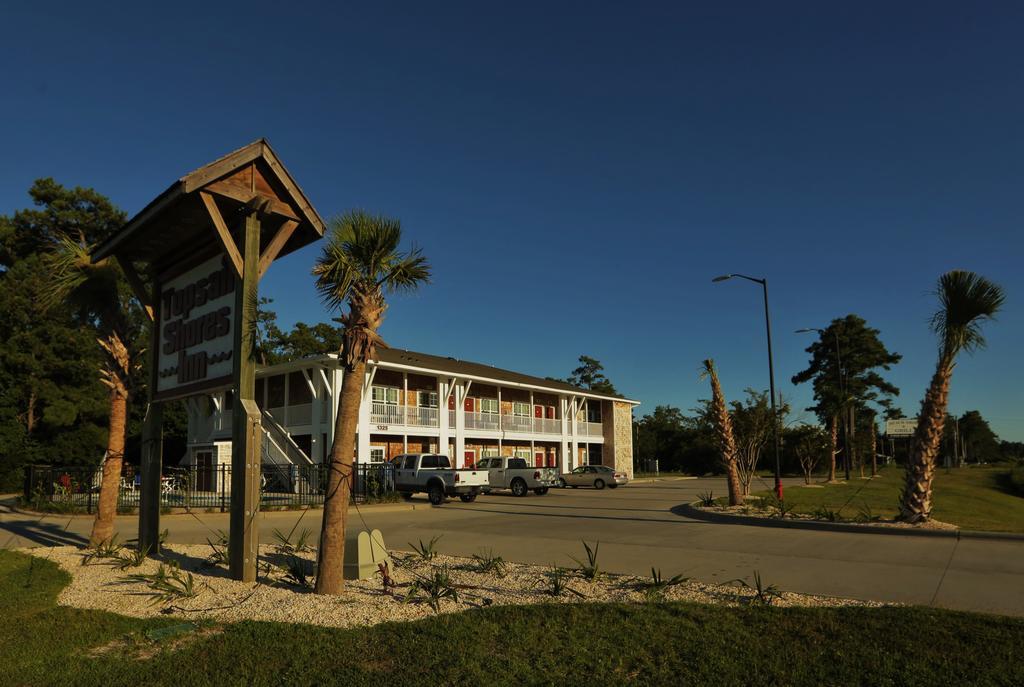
[{"x": 637, "y": 530}]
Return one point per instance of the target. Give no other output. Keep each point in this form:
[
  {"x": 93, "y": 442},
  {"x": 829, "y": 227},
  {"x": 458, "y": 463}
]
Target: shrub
[
  {"x": 764, "y": 595},
  {"x": 426, "y": 551},
  {"x": 487, "y": 562},
  {"x": 589, "y": 570},
  {"x": 436, "y": 586},
  {"x": 1015, "y": 478}
]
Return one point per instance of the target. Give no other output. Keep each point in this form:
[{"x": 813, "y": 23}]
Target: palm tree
[
  {"x": 722, "y": 423},
  {"x": 967, "y": 300},
  {"x": 96, "y": 291},
  {"x": 359, "y": 265}
]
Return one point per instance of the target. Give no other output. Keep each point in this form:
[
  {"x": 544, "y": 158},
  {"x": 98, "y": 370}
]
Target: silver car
[{"x": 597, "y": 476}]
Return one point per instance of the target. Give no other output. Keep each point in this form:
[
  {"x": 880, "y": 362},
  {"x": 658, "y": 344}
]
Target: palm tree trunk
[
  {"x": 726, "y": 438},
  {"x": 916, "y": 500},
  {"x": 834, "y": 437},
  {"x": 331, "y": 559},
  {"x": 103, "y": 525}
]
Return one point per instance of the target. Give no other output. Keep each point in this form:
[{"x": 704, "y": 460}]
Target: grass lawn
[
  {"x": 975, "y": 498},
  {"x": 663, "y": 644}
]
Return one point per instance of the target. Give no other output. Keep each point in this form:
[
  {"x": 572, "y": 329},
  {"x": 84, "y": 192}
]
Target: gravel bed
[
  {"x": 100, "y": 585},
  {"x": 754, "y": 511}
]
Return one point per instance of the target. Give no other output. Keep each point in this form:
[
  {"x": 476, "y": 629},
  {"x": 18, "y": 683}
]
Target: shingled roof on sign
[{"x": 177, "y": 221}]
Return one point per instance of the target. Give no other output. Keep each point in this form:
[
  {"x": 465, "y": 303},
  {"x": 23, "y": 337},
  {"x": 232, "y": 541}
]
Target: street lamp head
[
  {"x": 722, "y": 277},
  {"x": 805, "y": 330}
]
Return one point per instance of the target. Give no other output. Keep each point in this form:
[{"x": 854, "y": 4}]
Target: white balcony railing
[
  {"x": 387, "y": 414},
  {"x": 589, "y": 429},
  {"x": 517, "y": 423},
  {"x": 487, "y": 421},
  {"x": 544, "y": 425},
  {"x": 301, "y": 414},
  {"x": 421, "y": 417}
]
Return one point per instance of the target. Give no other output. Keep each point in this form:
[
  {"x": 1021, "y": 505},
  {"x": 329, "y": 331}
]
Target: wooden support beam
[
  {"x": 276, "y": 244},
  {"x": 222, "y": 231},
  {"x": 243, "y": 194},
  {"x": 138, "y": 286}
]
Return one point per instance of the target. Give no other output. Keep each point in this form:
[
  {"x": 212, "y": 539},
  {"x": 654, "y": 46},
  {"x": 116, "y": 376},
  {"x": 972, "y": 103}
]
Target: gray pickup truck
[
  {"x": 516, "y": 475},
  {"x": 433, "y": 474}
]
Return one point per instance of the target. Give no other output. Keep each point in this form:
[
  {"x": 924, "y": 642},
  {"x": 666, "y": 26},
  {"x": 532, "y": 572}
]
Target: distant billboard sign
[{"x": 903, "y": 427}]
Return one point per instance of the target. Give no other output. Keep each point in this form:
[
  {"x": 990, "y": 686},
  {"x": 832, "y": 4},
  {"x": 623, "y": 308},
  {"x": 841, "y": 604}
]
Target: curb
[
  {"x": 373, "y": 508},
  {"x": 689, "y": 511},
  {"x": 673, "y": 478}
]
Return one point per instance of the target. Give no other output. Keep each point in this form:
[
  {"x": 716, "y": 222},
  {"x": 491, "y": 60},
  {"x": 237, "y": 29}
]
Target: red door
[
  {"x": 538, "y": 459},
  {"x": 469, "y": 405},
  {"x": 551, "y": 412},
  {"x": 470, "y": 459},
  {"x": 538, "y": 411},
  {"x": 451, "y": 403}
]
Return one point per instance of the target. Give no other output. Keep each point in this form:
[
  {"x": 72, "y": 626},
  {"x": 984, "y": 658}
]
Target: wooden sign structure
[{"x": 194, "y": 257}]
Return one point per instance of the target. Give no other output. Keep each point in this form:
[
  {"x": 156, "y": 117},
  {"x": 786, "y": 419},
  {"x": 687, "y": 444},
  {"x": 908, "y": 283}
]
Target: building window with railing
[
  {"x": 385, "y": 394},
  {"x": 489, "y": 405}
]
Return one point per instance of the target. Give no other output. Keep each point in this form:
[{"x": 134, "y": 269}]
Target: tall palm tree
[
  {"x": 966, "y": 300},
  {"x": 722, "y": 422},
  {"x": 360, "y": 264},
  {"x": 97, "y": 292}
]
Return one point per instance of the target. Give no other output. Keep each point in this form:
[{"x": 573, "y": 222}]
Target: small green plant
[
  {"x": 107, "y": 550},
  {"x": 658, "y": 584},
  {"x": 436, "y": 586},
  {"x": 764, "y": 595},
  {"x": 781, "y": 507},
  {"x": 295, "y": 571},
  {"x": 590, "y": 569},
  {"x": 827, "y": 514},
  {"x": 218, "y": 551},
  {"x": 558, "y": 581},
  {"x": 301, "y": 543},
  {"x": 133, "y": 559},
  {"x": 167, "y": 584},
  {"x": 426, "y": 551},
  {"x": 865, "y": 514},
  {"x": 706, "y": 498},
  {"x": 487, "y": 562}
]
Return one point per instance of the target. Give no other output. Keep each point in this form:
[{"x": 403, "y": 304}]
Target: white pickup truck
[
  {"x": 516, "y": 475},
  {"x": 433, "y": 474}
]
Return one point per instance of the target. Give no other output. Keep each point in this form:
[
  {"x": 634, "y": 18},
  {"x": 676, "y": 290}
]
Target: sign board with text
[
  {"x": 196, "y": 312},
  {"x": 904, "y": 427}
]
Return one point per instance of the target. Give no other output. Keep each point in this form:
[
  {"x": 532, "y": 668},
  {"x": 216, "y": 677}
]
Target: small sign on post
[{"x": 904, "y": 427}]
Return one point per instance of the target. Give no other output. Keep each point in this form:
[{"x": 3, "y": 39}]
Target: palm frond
[
  {"x": 75, "y": 278},
  {"x": 967, "y": 299}
]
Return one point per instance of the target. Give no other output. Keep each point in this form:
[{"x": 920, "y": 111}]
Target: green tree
[
  {"x": 966, "y": 301},
  {"x": 360, "y": 265},
  {"x": 844, "y": 371},
  {"x": 590, "y": 375},
  {"x": 752, "y": 421},
  {"x": 51, "y": 401}
]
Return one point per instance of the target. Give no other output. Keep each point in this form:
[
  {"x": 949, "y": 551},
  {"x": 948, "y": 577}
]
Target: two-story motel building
[{"x": 416, "y": 402}]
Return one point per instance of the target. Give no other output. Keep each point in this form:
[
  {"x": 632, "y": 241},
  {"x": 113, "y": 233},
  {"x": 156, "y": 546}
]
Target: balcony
[{"x": 402, "y": 416}]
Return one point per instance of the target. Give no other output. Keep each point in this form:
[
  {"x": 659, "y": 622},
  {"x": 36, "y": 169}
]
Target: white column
[
  {"x": 363, "y": 451},
  {"x": 336, "y": 378},
  {"x": 500, "y": 423},
  {"x": 564, "y": 457},
  {"x": 533, "y": 416},
  {"x": 460, "y": 423},
  {"x": 405, "y": 403},
  {"x": 318, "y": 449},
  {"x": 443, "y": 431},
  {"x": 574, "y": 409}
]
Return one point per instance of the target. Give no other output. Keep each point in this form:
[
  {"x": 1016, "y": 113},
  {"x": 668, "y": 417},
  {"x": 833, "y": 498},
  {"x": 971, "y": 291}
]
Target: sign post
[
  {"x": 204, "y": 244},
  {"x": 246, "y": 434}
]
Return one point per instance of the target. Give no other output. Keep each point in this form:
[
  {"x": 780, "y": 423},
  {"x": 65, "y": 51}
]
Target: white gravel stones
[{"x": 102, "y": 586}]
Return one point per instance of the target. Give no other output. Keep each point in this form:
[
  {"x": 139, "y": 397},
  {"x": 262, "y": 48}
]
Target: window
[
  {"x": 517, "y": 464},
  {"x": 488, "y": 405},
  {"x": 385, "y": 394},
  {"x": 376, "y": 454},
  {"x": 523, "y": 453},
  {"x": 410, "y": 462},
  {"x": 521, "y": 409},
  {"x": 442, "y": 461},
  {"x": 298, "y": 389},
  {"x": 578, "y": 471},
  {"x": 489, "y": 452},
  {"x": 426, "y": 399},
  {"x": 275, "y": 391}
]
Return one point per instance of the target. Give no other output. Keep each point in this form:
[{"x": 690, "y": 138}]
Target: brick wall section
[{"x": 618, "y": 436}]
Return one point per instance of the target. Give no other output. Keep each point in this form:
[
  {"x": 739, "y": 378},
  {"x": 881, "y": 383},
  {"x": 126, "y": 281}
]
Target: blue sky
[{"x": 578, "y": 174}]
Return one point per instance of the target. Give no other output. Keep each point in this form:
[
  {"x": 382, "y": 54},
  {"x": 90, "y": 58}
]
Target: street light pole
[{"x": 771, "y": 375}]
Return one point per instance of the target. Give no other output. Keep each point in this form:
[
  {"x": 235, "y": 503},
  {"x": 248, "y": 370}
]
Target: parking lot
[{"x": 638, "y": 529}]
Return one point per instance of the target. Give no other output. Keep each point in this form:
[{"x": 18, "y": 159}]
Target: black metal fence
[{"x": 201, "y": 488}]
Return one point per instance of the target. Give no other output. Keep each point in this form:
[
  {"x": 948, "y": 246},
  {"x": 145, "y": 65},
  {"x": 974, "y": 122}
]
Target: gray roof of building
[{"x": 398, "y": 356}]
